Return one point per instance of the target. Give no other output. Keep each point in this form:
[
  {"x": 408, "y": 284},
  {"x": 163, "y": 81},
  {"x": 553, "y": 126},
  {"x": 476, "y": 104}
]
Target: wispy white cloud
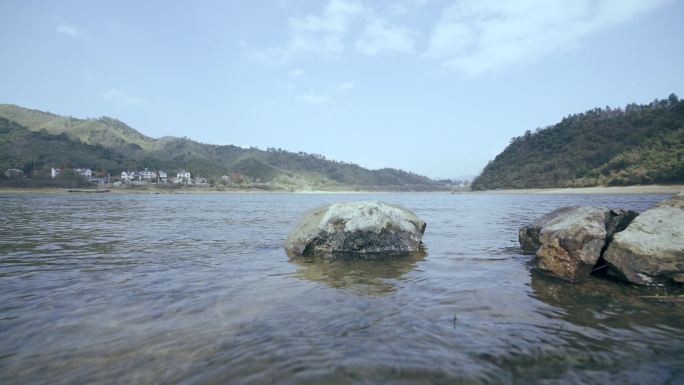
[
  {"x": 478, "y": 36},
  {"x": 315, "y": 98},
  {"x": 70, "y": 30},
  {"x": 320, "y": 98},
  {"x": 346, "y": 86},
  {"x": 469, "y": 36},
  {"x": 314, "y": 33},
  {"x": 379, "y": 36},
  {"x": 337, "y": 16},
  {"x": 121, "y": 97}
]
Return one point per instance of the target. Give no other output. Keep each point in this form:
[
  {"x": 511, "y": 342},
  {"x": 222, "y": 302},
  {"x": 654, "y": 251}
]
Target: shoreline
[
  {"x": 153, "y": 191},
  {"x": 637, "y": 189}
]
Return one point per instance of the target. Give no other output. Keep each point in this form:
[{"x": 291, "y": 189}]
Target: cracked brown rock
[{"x": 570, "y": 240}]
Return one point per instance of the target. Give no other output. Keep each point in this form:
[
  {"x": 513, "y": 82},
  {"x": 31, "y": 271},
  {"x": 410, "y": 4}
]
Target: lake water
[{"x": 185, "y": 289}]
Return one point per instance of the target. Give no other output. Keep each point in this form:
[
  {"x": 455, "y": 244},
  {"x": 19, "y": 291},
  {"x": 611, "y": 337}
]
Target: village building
[
  {"x": 147, "y": 175},
  {"x": 129, "y": 176},
  {"x": 84, "y": 172},
  {"x": 183, "y": 177},
  {"x": 163, "y": 177}
]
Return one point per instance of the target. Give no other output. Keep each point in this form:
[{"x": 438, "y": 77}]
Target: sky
[{"x": 431, "y": 86}]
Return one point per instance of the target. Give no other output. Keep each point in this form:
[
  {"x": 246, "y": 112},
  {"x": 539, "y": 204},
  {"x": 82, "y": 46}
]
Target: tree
[{"x": 673, "y": 99}]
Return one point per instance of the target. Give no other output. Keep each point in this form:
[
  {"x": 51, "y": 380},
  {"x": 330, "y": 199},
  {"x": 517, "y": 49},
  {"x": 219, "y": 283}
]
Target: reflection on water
[
  {"x": 197, "y": 289},
  {"x": 368, "y": 276},
  {"x": 604, "y": 302}
]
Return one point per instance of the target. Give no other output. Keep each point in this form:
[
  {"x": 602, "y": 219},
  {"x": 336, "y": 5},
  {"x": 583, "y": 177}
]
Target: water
[{"x": 182, "y": 289}]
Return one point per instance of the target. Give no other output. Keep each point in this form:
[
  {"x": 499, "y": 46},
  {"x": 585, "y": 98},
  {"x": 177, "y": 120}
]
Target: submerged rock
[
  {"x": 357, "y": 229},
  {"x": 651, "y": 249},
  {"x": 570, "y": 240},
  {"x": 374, "y": 277}
]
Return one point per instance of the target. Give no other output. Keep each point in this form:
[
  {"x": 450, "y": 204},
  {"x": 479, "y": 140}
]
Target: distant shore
[
  {"x": 640, "y": 189},
  {"x": 54, "y": 190}
]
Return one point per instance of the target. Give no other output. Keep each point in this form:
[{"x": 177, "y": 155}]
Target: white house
[
  {"x": 225, "y": 178},
  {"x": 201, "y": 181},
  {"x": 163, "y": 177},
  {"x": 128, "y": 176},
  {"x": 85, "y": 172},
  {"x": 148, "y": 175},
  {"x": 183, "y": 177},
  {"x": 55, "y": 172}
]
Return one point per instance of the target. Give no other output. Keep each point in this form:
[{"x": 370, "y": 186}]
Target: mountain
[
  {"x": 105, "y": 131},
  {"x": 21, "y": 148},
  {"x": 34, "y": 141},
  {"x": 640, "y": 144}
]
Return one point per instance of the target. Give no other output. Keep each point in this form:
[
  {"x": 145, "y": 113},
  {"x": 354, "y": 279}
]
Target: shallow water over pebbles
[{"x": 197, "y": 289}]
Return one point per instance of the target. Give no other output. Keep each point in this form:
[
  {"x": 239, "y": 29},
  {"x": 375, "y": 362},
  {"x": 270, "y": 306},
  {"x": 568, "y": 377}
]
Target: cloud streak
[
  {"x": 379, "y": 36},
  {"x": 318, "y": 34},
  {"x": 479, "y": 36},
  {"x": 468, "y": 36},
  {"x": 320, "y": 98},
  {"x": 314, "y": 98},
  {"x": 70, "y": 30}
]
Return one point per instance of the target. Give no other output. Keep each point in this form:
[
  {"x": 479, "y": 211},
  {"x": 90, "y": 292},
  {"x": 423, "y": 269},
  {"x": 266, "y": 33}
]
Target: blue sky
[{"x": 435, "y": 87}]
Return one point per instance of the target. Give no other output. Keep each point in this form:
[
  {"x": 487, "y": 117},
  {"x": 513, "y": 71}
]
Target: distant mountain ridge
[
  {"x": 640, "y": 144},
  {"x": 28, "y": 136}
]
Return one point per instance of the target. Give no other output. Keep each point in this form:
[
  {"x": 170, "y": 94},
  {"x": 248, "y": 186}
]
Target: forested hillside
[
  {"x": 640, "y": 144},
  {"x": 27, "y": 150},
  {"x": 34, "y": 141}
]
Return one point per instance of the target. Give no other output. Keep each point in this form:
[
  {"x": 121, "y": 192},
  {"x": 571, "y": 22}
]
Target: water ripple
[{"x": 196, "y": 289}]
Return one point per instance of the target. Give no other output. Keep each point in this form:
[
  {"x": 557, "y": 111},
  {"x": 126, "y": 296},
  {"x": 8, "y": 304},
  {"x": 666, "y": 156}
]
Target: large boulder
[
  {"x": 651, "y": 249},
  {"x": 365, "y": 229},
  {"x": 570, "y": 240},
  {"x": 529, "y": 235}
]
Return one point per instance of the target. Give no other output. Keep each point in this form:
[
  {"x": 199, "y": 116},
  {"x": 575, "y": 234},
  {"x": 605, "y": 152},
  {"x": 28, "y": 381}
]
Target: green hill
[
  {"x": 640, "y": 144},
  {"x": 110, "y": 145},
  {"x": 104, "y": 131}
]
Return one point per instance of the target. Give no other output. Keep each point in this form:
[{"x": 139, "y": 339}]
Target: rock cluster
[
  {"x": 362, "y": 229},
  {"x": 569, "y": 240},
  {"x": 648, "y": 248}
]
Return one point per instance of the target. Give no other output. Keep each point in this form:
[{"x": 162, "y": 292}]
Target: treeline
[
  {"x": 36, "y": 152},
  {"x": 640, "y": 144}
]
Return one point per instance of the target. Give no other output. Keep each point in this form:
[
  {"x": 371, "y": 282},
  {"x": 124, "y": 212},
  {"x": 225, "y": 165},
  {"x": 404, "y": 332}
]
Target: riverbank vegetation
[
  {"x": 638, "y": 144},
  {"x": 35, "y": 141}
]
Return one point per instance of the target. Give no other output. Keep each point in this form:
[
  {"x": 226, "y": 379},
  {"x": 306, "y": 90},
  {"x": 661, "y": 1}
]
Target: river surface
[{"x": 196, "y": 289}]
